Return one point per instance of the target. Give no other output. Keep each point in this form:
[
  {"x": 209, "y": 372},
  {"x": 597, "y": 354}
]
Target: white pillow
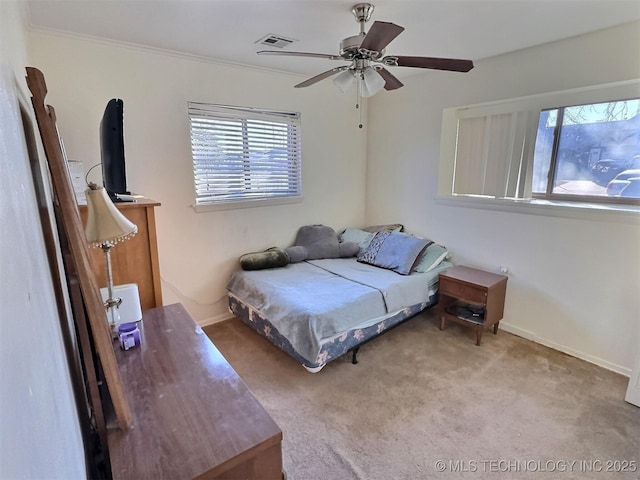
[
  {"x": 431, "y": 258},
  {"x": 362, "y": 238}
]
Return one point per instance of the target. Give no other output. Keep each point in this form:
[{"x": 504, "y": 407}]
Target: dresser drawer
[{"x": 462, "y": 291}]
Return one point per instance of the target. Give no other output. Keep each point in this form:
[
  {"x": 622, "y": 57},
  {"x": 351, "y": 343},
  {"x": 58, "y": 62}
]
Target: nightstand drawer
[{"x": 462, "y": 291}]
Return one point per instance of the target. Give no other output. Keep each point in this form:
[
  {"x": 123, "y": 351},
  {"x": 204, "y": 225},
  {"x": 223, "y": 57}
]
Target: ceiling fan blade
[
  {"x": 322, "y": 76},
  {"x": 380, "y": 35},
  {"x": 452, "y": 64},
  {"x": 391, "y": 82},
  {"x": 300, "y": 54}
]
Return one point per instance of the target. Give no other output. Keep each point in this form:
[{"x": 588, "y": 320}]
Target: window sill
[
  {"x": 239, "y": 204},
  {"x": 580, "y": 211}
]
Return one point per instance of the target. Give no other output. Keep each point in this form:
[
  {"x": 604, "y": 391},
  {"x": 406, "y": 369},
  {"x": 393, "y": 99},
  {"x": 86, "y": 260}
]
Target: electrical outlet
[{"x": 504, "y": 269}]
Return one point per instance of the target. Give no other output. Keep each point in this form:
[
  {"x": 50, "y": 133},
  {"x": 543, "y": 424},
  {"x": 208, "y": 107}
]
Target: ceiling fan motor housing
[
  {"x": 350, "y": 49},
  {"x": 350, "y": 46}
]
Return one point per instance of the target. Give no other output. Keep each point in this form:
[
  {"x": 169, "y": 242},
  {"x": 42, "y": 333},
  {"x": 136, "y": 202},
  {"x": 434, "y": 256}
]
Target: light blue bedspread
[{"x": 318, "y": 299}]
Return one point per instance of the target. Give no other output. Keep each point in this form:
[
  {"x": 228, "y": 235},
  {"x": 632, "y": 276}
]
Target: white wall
[
  {"x": 574, "y": 283},
  {"x": 40, "y": 434},
  {"x": 571, "y": 285},
  {"x": 199, "y": 250}
]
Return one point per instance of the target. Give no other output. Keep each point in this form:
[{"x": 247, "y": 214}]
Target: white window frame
[
  {"x": 242, "y": 144},
  {"x": 531, "y": 107}
]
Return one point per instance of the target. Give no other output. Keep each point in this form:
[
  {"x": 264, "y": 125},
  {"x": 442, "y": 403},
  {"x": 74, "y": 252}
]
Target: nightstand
[{"x": 472, "y": 297}]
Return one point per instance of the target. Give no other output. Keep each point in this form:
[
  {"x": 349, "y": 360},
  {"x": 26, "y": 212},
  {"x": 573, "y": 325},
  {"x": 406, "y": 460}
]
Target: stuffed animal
[
  {"x": 322, "y": 242},
  {"x": 271, "y": 258}
]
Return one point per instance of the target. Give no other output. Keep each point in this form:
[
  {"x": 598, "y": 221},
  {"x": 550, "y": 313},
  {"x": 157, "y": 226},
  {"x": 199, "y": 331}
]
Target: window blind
[
  {"x": 489, "y": 154},
  {"x": 244, "y": 153}
]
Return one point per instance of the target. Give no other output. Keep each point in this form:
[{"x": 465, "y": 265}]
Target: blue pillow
[{"x": 394, "y": 251}]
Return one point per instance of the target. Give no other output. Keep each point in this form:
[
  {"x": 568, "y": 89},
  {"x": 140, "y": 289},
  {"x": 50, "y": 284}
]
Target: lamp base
[
  {"x": 113, "y": 316},
  {"x": 129, "y": 310}
]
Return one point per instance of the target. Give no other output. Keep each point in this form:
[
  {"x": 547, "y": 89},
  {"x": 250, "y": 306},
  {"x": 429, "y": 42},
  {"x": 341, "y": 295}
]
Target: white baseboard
[
  {"x": 215, "y": 319},
  {"x": 520, "y": 332}
]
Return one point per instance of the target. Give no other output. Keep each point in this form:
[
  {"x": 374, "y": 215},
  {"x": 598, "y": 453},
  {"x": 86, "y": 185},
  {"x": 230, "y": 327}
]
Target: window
[
  {"x": 588, "y": 150},
  {"x": 532, "y": 149},
  {"x": 244, "y": 154}
]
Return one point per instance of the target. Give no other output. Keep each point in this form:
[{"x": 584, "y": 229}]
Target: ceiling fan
[{"x": 366, "y": 52}]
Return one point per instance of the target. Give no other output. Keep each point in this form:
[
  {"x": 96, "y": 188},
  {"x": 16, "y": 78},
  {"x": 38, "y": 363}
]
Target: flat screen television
[{"x": 114, "y": 175}]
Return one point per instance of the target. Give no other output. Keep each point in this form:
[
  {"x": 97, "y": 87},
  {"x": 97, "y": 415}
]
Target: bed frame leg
[{"x": 354, "y": 360}]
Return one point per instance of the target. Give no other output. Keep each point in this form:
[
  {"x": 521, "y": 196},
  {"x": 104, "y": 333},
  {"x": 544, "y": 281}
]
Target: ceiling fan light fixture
[
  {"x": 372, "y": 82},
  {"x": 344, "y": 80}
]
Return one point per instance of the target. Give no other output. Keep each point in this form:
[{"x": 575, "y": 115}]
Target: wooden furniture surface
[
  {"x": 135, "y": 260},
  {"x": 193, "y": 417},
  {"x": 473, "y": 287}
]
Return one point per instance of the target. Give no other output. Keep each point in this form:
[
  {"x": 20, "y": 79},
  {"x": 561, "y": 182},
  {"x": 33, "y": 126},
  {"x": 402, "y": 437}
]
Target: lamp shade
[
  {"x": 344, "y": 80},
  {"x": 372, "y": 82},
  {"x": 105, "y": 223}
]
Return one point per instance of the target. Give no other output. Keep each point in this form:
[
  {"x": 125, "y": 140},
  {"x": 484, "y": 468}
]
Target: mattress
[{"x": 306, "y": 307}]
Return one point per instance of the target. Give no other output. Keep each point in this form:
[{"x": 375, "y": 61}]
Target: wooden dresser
[
  {"x": 134, "y": 260},
  {"x": 193, "y": 417}
]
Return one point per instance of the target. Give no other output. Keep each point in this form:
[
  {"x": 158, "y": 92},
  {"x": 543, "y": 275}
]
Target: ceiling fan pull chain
[{"x": 359, "y": 99}]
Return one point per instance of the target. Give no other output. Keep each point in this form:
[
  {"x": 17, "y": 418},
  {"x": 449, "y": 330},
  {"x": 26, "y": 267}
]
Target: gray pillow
[
  {"x": 394, "y": 251},
  {"x": 391, "y": 227}
]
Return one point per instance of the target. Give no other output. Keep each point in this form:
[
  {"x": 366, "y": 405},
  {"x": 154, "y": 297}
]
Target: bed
[{"x": 316, "y": 310}]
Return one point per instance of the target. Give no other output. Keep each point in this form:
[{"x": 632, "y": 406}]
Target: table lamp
[{"x": 106, "y": 226}]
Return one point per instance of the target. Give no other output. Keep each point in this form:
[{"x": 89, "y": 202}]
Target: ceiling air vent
[{"x": 272, "y": 40}]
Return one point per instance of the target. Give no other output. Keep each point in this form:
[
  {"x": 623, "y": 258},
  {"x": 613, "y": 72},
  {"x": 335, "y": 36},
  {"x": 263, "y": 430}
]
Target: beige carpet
[{"x": 424, "y": 403}]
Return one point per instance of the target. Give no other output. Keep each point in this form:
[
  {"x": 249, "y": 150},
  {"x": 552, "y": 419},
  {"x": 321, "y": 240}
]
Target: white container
[{"x": 129, "y": 310}]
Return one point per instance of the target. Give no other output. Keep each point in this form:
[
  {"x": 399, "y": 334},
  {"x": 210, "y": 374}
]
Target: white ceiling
[{"x": 228, "y": 29}]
